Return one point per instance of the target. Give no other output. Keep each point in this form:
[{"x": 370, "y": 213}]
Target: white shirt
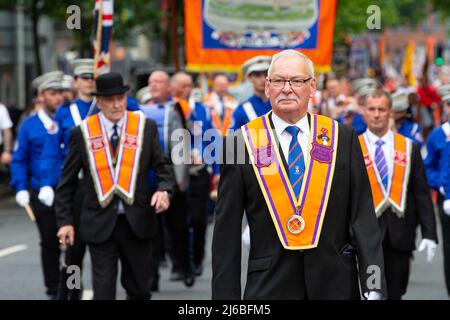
[
  {"x": 285, "y": 137},
  {"x": 109, "y": 131},
  {"x": 218, "y": 104},
  {"x": 387, "y": 147},
  {"x": 5, "y": 121},
  {"x": 109, "y": 125}
]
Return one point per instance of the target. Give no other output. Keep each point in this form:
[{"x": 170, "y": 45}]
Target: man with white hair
[{"x": 306, "y": 195}]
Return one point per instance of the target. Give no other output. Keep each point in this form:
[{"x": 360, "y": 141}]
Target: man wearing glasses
[{"x": 307, "y": 199}]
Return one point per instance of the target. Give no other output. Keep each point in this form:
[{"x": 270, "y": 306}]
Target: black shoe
[{"x": 189, "y": 279}]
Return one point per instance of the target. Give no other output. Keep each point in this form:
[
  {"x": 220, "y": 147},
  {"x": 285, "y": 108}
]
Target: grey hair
[{"x": 291, "y": 52}]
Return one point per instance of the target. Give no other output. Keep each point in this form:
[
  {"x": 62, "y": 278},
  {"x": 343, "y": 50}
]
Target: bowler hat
[{"x": 110, "y": 84}]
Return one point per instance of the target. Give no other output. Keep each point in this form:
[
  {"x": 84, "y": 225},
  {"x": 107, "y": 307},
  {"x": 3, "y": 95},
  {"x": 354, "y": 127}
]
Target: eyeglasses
[{"x": 294, "y": 83}]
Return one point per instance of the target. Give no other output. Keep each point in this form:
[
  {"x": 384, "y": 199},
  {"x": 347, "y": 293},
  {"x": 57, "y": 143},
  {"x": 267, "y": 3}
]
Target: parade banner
[
  {"x": 103, "y": 23},
  {"x": 221, "y": 35}
]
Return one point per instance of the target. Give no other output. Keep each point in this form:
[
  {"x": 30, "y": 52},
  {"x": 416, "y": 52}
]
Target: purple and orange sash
[
  {"x": 121, "y": 179},
  {"x": 396, "y": 195},
  {"x": 298, "y": 222}
]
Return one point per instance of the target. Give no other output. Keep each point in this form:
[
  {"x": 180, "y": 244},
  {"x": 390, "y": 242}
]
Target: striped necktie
[
  {"x": 380, "y": 162},
  {"x": 296, "y": 161}
]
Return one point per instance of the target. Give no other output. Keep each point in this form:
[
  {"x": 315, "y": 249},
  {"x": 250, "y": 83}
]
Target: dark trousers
[
  {"x": 445, "y": 225},
  {"x": 177, "y": 224},
  {"x": 198, "y": 198},
  {"x": 50, "y": 251},
  {"x": 135, "y": 257},
  {"x": 74, "y": 255},
  {"x": 397, "y": 265},
  {"x": 158, "y": 251}
]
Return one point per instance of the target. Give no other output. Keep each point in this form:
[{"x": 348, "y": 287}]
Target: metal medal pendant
[{"x": 295, "y": 224}]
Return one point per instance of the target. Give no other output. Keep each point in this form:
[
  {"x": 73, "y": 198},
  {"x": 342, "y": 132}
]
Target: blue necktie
[
  {"x": 380, "y": 162},
  {"x": 114, "y": 138},
  {"x": 296, "y": 161}
]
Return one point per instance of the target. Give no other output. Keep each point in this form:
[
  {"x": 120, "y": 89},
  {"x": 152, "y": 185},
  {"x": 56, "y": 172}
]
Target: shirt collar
[
  {"x": 165, "y": 103},
  {"x": 281, "y": 125},
  {"x": 109, "y": 124},
  {"x": 374, "y": 138}
]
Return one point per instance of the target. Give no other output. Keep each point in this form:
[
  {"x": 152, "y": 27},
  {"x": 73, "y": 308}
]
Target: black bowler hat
[{"x": 110, "y": 84}]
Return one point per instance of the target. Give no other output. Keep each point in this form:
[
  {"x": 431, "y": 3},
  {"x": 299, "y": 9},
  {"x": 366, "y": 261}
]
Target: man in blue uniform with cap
[
  {"x": 68, "y": 116},
  {"x": 255, "y": 69},
  {"x": 56, "y": 147},
  {"x": 26, "y": 175},
  {"x": 403, "y": 118}
]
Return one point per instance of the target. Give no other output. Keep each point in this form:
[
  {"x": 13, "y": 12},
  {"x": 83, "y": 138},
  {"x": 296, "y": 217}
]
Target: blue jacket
[
  {"x": 57, "y": 146},
  {"x": 411, "y": 130},
  {"x": 434, "y": 160},
  {"x": 240, "y": 117},
  {"x": 445, "y": 169},
  {"x": 26, "y": 161},
  {"x": 358, "y": 123}
]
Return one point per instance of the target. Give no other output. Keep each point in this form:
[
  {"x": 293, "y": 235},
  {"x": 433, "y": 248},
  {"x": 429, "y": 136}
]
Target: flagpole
[{"x": 98, "y": 37}]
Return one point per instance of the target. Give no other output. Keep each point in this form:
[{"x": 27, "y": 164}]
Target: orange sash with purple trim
[
  {"x": 121, "y": 178},
  {"x": 298, "y": 222},
  {"x": 395, "y": 197}
]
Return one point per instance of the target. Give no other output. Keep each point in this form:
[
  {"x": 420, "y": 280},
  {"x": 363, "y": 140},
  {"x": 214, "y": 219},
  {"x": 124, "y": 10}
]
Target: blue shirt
[
  {"x": 157, "y": 113},
  {"x": 57, "y": 145},
  {"x": 411, "y": 130},
  {"x": 434, "y": 160},
  {"x": 26, "y": 161},
  {"x": 240, "y": 117}
]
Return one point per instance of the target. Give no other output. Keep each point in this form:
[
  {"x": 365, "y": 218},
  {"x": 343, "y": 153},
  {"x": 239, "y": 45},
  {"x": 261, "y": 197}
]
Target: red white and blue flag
[{"x": 103, "y": 23}]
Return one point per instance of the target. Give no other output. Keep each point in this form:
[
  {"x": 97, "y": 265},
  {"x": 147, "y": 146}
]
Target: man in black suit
[
  {"x": 401, "y": 195},
  {"x": 116, "y": 149},
  {"x": 306, "y": 228}
]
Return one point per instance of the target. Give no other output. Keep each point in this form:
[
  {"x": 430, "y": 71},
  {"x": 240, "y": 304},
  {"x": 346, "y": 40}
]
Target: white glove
[
  {"x": 22, "y": 198},
  {"x": 447, "y": 207},
  {"x": 441, "y": 190},
  {"x": 373, "y": 295},
  {"x": 46, "y": 196},
  {"x": 246, "y": 236},
  {"x": 430, "y": 245}
]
